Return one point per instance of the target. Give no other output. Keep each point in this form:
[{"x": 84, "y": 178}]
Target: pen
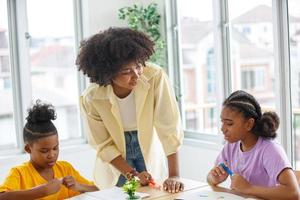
[
  {"x": 153, "y": 184},
  {"x": 228, "y": 171}
]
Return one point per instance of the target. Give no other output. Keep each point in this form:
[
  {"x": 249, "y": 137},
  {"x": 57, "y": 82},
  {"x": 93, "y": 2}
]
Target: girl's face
[
  {"x": 234, "y": 126},
  {"x": 44, "y": 151},
  {"x": 126, "y": 79}
]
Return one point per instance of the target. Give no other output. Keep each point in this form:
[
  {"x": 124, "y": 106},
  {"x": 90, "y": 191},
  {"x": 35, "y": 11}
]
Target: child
[
  {"x": 260, "y": 166},
  {"x": 43, "y": 177}
]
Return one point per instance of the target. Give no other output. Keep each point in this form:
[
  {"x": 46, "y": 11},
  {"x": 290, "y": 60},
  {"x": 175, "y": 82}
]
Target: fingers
[
  {"x": 218, "y": 171},
  {"x": 68, "y": 181},
  {"x": 173, "y": 185},
  {"x": 145, "y": 178}
]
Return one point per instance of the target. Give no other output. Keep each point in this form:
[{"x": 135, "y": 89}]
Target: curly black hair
[
  {"x": 266, "y": 124},
  {"x": 102, "y": 55},
  {"x": 39, "y": 122}
]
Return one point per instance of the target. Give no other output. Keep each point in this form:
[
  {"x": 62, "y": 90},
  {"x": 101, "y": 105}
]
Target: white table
[{"x": 193, "y": 190}]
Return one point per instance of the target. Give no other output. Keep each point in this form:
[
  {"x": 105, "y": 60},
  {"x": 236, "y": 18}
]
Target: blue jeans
[{"x": 134, "y": 156}]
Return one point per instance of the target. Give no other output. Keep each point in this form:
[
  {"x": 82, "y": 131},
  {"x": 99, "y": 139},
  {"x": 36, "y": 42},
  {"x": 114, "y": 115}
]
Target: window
[
  {"x": 252, "y": 52},
  {"x": 44, "y": 70},
  {"x": 198, "y": 65},
  {"x": 253, "y": 79},
  {"x": 52, "y": 58},
  {"x": 7, "y": 136},
  {"x": 294, "y": 33},
  {"x": 238, "y": 44}
]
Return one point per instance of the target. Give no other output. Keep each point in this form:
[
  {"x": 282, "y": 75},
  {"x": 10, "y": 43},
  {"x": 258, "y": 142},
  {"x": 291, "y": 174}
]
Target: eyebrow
[
  {"x": 49, "y": 148},
  {"x": 227, "y": 120}
]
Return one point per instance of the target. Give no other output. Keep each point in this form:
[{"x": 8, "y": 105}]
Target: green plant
[
  {"x": 147, "y": 20},
  {"x": 130, "y": 188}
]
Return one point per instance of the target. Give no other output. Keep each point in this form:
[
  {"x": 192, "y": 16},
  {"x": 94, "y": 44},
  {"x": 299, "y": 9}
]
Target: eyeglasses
[{"x": 136, "y": 69}]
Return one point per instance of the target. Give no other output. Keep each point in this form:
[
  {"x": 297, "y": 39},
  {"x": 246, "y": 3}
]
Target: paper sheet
[
  {"x": 109, "y": 194},
  {"x": 210, "y": 195}
]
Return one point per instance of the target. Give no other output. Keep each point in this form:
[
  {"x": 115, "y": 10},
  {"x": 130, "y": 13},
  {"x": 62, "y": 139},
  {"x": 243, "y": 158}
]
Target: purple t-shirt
[{"x": 261, "y": 165}]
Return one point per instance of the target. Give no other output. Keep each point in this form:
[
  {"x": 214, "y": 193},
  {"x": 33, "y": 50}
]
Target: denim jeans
[{"x": 134, "y": 156}]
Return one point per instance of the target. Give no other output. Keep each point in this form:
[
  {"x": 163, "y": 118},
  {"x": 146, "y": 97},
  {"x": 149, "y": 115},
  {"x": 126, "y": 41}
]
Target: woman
[{"x": 130, "y": 111}]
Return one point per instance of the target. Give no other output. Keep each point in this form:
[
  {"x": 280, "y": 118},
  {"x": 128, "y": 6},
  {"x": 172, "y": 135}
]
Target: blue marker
[{"x": 228, "y": 171}]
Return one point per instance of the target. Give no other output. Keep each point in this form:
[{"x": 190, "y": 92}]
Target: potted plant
[
  {"x": 130, "y": 188},
  {"x": 147, "y": 20}
]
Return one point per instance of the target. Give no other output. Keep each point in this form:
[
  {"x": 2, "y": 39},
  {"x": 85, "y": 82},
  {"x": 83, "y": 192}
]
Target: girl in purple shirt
[{"x": 259, "y": 165}]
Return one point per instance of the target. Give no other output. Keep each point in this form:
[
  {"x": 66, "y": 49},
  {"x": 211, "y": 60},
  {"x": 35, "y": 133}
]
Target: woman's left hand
[{"x": 173, "y": 185}]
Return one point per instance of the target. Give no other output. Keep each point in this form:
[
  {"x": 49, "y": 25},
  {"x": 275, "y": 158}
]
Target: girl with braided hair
[{"x": 257, "y": 165}]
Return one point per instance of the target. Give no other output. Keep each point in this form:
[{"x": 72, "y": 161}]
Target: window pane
[
  {"x": 294, "y": 31},
  {"x": 198, "y": 65},
  {"x": 7, "y": 136},
  {"x": 52, "y": 61},
  {"x": 251, "y": 43}
]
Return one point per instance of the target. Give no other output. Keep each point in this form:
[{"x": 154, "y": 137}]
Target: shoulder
[
  {"x": 64, "y": 164},
  {"x": 270, "y": 147},
  {"x": 22, "y": 167},
  {"x": 20, "y": 170},
  {"x": 90, "y": 91},
  {"x": 152, "y": 70}
]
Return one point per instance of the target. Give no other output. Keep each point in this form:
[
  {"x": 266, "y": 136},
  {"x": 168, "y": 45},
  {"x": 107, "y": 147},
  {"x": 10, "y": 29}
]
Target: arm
[
  {"x": 173, "y": 183},
  {"x": 168, "y": 126},
  {"x": 98, "y": 136},
  {"x": 173, "y": 165},
  {"x": 287, "y": 188},
  {"x": 71, "y": 183},
  {"x": 121, "y": 164},
  {"x": 49, "y": 188}
]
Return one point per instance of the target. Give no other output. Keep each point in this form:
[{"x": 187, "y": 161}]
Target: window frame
[
  {"x": 19, "y": 64},
  {"x": 222, "y": 48}
]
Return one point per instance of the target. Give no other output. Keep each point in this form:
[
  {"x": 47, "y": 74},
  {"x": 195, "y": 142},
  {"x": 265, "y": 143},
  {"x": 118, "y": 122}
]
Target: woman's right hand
[
  {"x": 217, "y": 175},
  {"x": 53, "y": 186},
  {"x": 144, "y": 177}
]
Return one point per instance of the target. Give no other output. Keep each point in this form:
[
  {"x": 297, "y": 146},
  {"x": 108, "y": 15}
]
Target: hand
[
  {"x": 144, "y": 177},
  {"x": 240, "y": 184},
  {"x": 173, "y": 185},
  {"x": 70, "y": 182},
  {"x": 218, "y": 175},
  {"x": 52, "y": 186}
]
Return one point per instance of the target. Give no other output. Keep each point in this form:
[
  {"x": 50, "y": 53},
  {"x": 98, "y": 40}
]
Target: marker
[
  {"x": 228, "y": 171},
  {"x": 154, "y": 185}
]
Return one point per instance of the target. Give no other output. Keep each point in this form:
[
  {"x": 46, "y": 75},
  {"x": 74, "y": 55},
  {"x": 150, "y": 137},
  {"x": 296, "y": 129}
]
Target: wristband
[{"x": 129, "y": 175}]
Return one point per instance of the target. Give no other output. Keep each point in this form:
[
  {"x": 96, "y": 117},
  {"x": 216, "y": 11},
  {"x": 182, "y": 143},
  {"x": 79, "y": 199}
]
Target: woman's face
[
  {"x": 126, "y": 79},
  {"x": 44, "y": 151},
  {"x": 234, "y": 125}
]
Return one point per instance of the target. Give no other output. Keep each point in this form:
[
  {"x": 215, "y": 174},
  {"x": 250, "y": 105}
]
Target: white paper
[
  {"x": 113, "y": 193},
  {"x": 210, "y": 195}
]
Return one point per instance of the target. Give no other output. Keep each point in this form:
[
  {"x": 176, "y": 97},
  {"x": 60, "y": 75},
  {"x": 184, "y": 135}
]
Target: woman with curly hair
[{"x": 130, "y": 110}]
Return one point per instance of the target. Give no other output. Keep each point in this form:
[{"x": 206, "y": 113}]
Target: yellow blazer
[{"x": 158, "y": 122}]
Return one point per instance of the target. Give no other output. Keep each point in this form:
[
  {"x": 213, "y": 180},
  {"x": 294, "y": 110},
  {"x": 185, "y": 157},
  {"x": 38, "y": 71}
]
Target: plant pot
[{"x": 134, "y": 198}]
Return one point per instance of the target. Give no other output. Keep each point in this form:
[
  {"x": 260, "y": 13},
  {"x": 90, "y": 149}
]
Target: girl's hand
[
  {"x": 144, "y": 177},
  {"x": 218, "y": 175},
  {"x": 53, "y": 186},
  {"x": 240, "y": 184},
  {"x": 70, "y": 182},
  {"x": 173, "y": 185}
]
